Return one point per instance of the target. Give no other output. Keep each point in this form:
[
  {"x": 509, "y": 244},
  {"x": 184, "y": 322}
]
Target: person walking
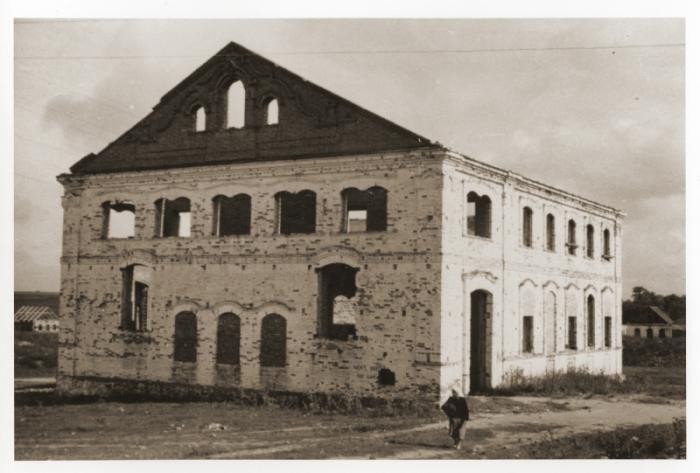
[{"x": 457, "y": 412}]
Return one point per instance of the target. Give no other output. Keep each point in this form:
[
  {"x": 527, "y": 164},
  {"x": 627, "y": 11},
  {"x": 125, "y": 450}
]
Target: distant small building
[
  {"x": 650, "y": 322},
  {"x": 36, "y": 318}
]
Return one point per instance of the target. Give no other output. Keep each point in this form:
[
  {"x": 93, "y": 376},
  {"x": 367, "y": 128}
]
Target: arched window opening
[
  {"x": 232, "y": 215},
  {"x": 606, "y": 244},
  {"x": 272, "y": 111},
  {"x": 571, "y": 238},
  {"x": 273, "y": 341},
  {"x": 551, "y": 233},
  {"x": 637, "y": 332},
  {"x": 590, "y": 241},
  {"x": 590, "y": 305},
  {"x": 364, "y": 211},
  {"x": 662, "y": 333},
  {"x": 185, "y": 337},
  {"x": 200, "y": 119},
  {"x": 235, "y": 105},
  {"x": 118, "y": 219},
  {"x": 296, "y": 213},
  {"x": 478, "y": 215},
  {"x": 608, "y": 332},
  {"x": 134, "y": 304},
  {"x": 336, "y": 307},
  {"x": 527, "y": 227},
  {"x": 228, "y": 339},
  {"x": 650, "y": 333},
  {"x": 173, "y": 217}
]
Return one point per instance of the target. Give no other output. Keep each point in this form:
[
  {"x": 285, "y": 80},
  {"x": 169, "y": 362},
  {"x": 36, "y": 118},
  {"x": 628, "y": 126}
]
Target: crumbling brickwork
[{"x": 376, "y": 229}]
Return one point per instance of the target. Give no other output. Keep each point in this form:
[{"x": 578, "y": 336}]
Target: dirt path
[
  {"x": 502, "y": 430},
  {"x": 202, "y": 430},
  {"x": 586, "y": 416}
]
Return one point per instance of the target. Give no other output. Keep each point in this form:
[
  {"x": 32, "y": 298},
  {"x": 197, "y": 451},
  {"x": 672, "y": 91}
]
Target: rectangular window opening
[
  {"x": 572, "y": 334},
  {"x": 528, "y": 337}
]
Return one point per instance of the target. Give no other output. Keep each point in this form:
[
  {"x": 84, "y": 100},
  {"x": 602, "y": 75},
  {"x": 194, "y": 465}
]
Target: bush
[{"x": 577, "y": 381}]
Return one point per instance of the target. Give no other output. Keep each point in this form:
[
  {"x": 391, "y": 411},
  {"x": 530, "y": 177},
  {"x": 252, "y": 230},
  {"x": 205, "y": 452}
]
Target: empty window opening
[
  {"x": 134, "y": 306},
  {"x": 528, "y": 336},
  {"x": 235, "y": 105},
  {"x": 551, "y": 233},
  {"x": 527, "y": 227},
  {"x": 386, "y": 377},
  {"x": 606, "y": 244},
  {"x": 590, "y": 244},
  {"x": 173, "y": 217},
  {"x": 608, "y": 332},
  {"x": 296, "y": 213},
  {"x": 228, "y": 339},
  {"x": 571, "y": 342},
  {"x": 272, "y": 111},
  {"x": 336, "y": 309},
  {"x": 637, "y": 332},
  {"x": 273, "y": 341},
  {"x": 118, "y": 219},
  {"x": 590, "y": 308},
  {"x": 662, "y": 333},
  {"x": 365, "y": 211},
  {"x": 650, "y": 333},
  {"x": 232, "y": 215},
  {"x": 478, "y": 215},
  {"x": 185, "y": 337},
  {"x": 200, "y": 119},
  {"x": 571, "y": 238}
]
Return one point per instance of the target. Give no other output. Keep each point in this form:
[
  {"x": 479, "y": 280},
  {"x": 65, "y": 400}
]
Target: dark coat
[{"x": 456, "y": 408}]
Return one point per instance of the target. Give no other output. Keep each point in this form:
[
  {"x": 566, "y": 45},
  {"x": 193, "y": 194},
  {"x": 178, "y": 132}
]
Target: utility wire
[{"x": 381, "y": 51}]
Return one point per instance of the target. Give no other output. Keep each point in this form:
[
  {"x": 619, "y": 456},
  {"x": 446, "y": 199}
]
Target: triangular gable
[{"x": 313, "y": 122}]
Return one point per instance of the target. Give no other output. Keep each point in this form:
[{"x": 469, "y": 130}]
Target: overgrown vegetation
[
  {"x": 659, "y": 385},
  {"x": 638, "y": 351},
  {"x": 646, "y": 441},
  {"x": 36, "y": 354}
]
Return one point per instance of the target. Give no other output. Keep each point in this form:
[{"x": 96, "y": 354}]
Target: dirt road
[{"x": 206, "y": 430}]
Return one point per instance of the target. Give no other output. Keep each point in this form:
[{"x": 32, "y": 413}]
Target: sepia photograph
[{"x": 348, "y": 238}]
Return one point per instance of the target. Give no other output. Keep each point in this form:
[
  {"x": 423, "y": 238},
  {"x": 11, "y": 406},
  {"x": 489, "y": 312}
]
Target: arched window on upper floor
[
  {"x": 527, "y": 227},
  {"x": 478, "y": 215},
  {"x": 551, "y": 233},
  {"x": 272, "y": 111},
  {"x": 571, "y": 238},
  {"x": 231, "y": 215},
  {"x": 200, "y": 119},
  {"x": 590, "y": 241},
  {"x": 296, "y": 212},
  {"x": 606, "y": 244},
  {"x": 364, "y": 211},
  {"x": 235, "y": 105},
  {"x": 118, "y": 219},
  {"x": 173, "y": 217}
]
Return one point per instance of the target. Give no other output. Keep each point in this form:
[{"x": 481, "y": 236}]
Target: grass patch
[
  {"x": 653, "y": 352},
  {"x": 654, "y": 383},
  {"x": 646, "y": 441},
  {"x": 36, "y": 354}
]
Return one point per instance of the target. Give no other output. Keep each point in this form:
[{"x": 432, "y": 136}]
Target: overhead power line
[{"x": 366, "y": 52}]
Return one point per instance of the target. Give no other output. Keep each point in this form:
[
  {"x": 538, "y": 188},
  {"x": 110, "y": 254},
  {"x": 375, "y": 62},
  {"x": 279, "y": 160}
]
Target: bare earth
[{"x": 108, "y": 430}]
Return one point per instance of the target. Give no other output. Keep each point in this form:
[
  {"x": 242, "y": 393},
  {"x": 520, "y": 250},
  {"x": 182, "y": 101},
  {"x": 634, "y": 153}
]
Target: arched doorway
[{"x": 481, "y": 307}]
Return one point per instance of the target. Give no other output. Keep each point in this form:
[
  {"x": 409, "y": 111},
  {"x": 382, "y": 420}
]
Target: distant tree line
[{"x": 673, "y": 304}]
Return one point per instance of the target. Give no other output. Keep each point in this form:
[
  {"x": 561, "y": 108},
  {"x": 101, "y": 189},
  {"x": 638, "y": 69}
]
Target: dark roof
[
  {"x": 314, "y": 122},
  {"x": 645, "y": 315},
  {"x": 36, "y": 298}
]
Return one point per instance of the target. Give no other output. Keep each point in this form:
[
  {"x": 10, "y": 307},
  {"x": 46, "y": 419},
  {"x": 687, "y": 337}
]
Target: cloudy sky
[{"x": 567, "y": 102}]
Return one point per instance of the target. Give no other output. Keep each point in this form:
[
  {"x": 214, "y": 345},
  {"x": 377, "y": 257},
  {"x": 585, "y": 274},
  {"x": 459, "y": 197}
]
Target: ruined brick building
[{"x": 257, "y": 231}]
